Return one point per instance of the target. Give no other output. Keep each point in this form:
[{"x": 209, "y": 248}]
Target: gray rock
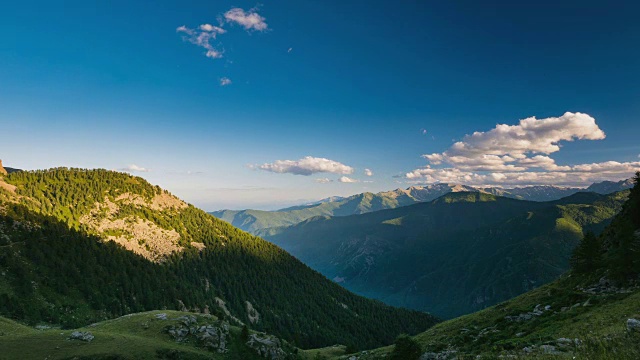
[
  {"x": 443, "y": 355},
  {"x": 213, "y": 336},
  {"x": 549, "y": 349},
  {"x": 82, "y": 336},
  {"x": 188, "y": 320},
  {"x": 267, "y": 346},
  {"x": 538, "y": 310},
  {"x": 633, "y": 325},
  {"x": 162, "y": 316}
]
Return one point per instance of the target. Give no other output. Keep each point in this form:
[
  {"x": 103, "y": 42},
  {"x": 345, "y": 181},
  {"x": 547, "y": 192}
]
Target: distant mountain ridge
[
  {"x": 255, "y": 221},
  {"x": 457, "y": 254},
  {"x": 588, "y": 313}
]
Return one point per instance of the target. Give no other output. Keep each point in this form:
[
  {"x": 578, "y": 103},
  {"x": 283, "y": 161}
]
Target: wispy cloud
[
  {"x": 368, "y": 172},
  {"x": 323, "y": 180},
  {"x": 289, "y": 50},
  {"x": 250, "y": 19},
  {"x": 306, "y": 166},
  {"x": 225, "y": 81},
  {"x": 202, "y": 36},
  {"x": 345, "y": 179},
  {"x": 519, "y": 155},
  {"x": 205, "y": 34},
  {"x": 134, "y": 168}
]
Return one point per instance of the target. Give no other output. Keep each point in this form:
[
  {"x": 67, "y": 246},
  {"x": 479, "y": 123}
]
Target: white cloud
[
  {"x": 212, "y": 28},
  {"x": 202, "y": 36},
  {"x": 225, "y": 81},
  {"x": 306, "y": 166},
  {"x": 577, "y": 175},
  {"x": 368, "y": 172},
  {"x": 323, "y": 180},
  {"x": 519, "y": 155},
  {"x": 508, "y": 147},
  {"x": 135, "y": 168},
  {"x": 344, "y": 179},
  {"x": 290, "y": 50},
  {"x": 250, "y": 20}
]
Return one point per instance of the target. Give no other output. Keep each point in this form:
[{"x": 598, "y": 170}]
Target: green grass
[
  {"x": 136, "y": 336},
  {"x": 601, "y": 326},
  {"x": 327, "y": 352}
]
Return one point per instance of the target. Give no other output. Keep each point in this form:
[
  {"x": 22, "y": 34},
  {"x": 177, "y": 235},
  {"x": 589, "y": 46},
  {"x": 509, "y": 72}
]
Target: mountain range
[
  {"x": 255, "y": 220},
  {"x": 97, "y": 264},
  {"x": 454, "y": 255},
  {"x": 81, "y": 246},
  {"x": 588, "y": 313}
]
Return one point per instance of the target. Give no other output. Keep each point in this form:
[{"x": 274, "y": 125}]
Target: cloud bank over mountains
[{"x": 519, "y": 155}]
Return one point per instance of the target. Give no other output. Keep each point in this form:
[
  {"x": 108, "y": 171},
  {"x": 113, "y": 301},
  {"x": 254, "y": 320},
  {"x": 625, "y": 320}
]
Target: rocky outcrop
[
  {"x": 140, "y": 236},
  {"x": 267, "y": 346},
  {"x": 212, "y": 335},
  {"x": 537, "y": 311},
  {"x": 82, "y": 336},
  {"x": 223, "y": 306},
  {"x": 559, "y": 347},
  {"x": 252, "y": 313},
  {"x": 604, "y": 286},
  {"x": 2, "y": 169},
  {"x": 633, "y": 325},
  {"x": 443, "y": 355}
]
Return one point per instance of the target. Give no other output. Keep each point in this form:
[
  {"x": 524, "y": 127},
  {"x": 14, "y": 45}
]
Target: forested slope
[{"x": 58, "y": 267}]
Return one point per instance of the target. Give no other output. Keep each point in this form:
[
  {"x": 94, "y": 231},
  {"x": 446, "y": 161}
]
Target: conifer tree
[
  {"x": 244, "y": 335},
  {"x": 588, "y": 254},
  {"x": 406, "y": 348}
]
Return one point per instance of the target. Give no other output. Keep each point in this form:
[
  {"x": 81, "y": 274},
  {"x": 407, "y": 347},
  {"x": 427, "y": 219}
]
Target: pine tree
[
  {"x": 244, "y": 335},
  {"x": 588, "y": 254},
  {"x": 406, "y": 348},
  {"x": 624, "y": 254},
  {"x": 634, "y": 201}
]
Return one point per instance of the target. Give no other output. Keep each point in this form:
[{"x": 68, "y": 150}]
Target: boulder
[
  {"x": 633, "y": 325},
  {"x": 188, "y": 320},
  {"x": 82, "y": 336},
  {"x": 267, "y": 346},
  {"x": 549, "y": 349},
  {"x": 538, "y": 310},
  {"x": 213, "y": 336}
]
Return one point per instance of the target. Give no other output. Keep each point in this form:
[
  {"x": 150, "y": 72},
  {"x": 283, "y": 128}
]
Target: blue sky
[{"x": 356, "y": 83}]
